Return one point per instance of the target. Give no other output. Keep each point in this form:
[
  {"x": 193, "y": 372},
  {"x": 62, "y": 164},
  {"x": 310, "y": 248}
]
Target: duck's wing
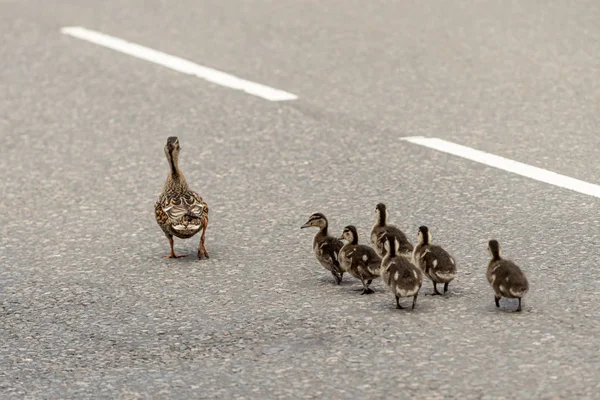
[{"x": 189, "y": 204}]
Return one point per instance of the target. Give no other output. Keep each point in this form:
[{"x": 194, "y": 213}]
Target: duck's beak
[{"x": 306, "y": 225}]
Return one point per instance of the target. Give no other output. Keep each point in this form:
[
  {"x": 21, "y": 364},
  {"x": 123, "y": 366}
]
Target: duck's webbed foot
[{"x": 173, "y": 255}]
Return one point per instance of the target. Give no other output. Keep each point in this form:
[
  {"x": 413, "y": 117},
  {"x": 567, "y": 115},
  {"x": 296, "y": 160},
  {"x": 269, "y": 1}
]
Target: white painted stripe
[
  {"x": 179, "y": 64},
  {"x": 506, "y": 164}
]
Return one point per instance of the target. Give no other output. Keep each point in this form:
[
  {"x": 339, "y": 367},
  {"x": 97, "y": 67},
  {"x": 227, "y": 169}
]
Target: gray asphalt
[{"x": 90, "y": 309}]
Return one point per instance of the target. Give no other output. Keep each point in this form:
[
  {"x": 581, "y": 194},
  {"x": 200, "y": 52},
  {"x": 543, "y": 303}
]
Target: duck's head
[
  {"x": 317, "y": 220},
  {"x": 494, "y": 249},
  {"x": 350, "y": 234},
  {"x": 172, "y": 145},
  {"x": 381, "y": 213},
  {"x": 424, "y": 236}
]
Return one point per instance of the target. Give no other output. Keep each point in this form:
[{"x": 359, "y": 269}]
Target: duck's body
[
  {"x": 325, "y": 247},
  {"x": 179, "y": 211},
  {"x": 381, "y": 231},
  {"x": 505, "y": 277},
  {"x": 360, "y": 261},
  {"x": 402, "y": 277},
  {"x": 434, "y": 261}
]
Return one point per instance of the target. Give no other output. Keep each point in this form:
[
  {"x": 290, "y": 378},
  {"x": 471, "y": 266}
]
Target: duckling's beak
[{"x": 306, "y": 225}]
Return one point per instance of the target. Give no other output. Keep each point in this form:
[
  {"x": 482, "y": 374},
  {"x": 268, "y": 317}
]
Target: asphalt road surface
[{"x": 90, "y": 309}]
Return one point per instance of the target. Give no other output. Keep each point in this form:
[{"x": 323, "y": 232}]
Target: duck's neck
[
  {"x": 173, "y": 159},
  {"x": 496, "y": 256},
  {"x": 175, "y": 180}
]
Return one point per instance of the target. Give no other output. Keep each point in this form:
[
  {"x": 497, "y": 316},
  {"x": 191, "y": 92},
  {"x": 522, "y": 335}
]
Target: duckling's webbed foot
[
  {"x": 398, "y": 306},
  {"x": 367, "y": 291},
  {"x": 519, "y": 307},
  {"x": 497, "y": 300},
  {"x": 446, "y": 287}
]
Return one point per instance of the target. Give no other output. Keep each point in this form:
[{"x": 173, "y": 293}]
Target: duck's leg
[
  {"x": 201, "y": 247},
  {"x": 519, "y": 308},
  {"x": 497, "y": 300},
  {"x": 172, "y": 243},
  {"x": 398, "y": 306},
  {"x": 415, "y": 300},
  {"x": 446, "y": 286}
]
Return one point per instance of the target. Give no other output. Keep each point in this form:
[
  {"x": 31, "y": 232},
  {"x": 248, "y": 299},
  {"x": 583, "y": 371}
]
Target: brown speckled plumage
[
  {"x": 381, "y": 231},
  {"x": 434, "y": 261},
  {"x": 360, "y": 261},
  {"x": 505, "y": 277},
  {"x": 179, "y": 211},
  {"x": 402, "y": 277},
  {"x": 326, "y": 247}
]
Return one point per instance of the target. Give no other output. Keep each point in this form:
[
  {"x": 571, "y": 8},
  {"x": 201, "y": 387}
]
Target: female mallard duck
[
  {"x": 382, "y": 230},
  {"x": 180, "y": 211},
  {"x": 434, "y": 261},
  {"x": 325, "y": 247},
  {"x": 505, "y": 277},
  {"x": 362, "y": 262},
  {"x": 402, "y": 277}
]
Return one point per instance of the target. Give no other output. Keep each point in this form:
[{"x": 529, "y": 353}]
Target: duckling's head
[
  {"x": 317, "y": 220},
  {"x": 494, "y": 249},
  {"x": 424, "y": 236},
  {"x": 350, "y": 234},
  {"x": 381, "y": 213}
]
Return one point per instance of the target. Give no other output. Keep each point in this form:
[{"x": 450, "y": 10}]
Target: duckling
[
  {"x": 402, "y": 277},
  {"x": 180, "y": 211},
  {"x": 325, "y": 247},
  {"x": 360, "y": 261},
  {"x": 381, "y": 231},
  {"x": 434, "y": 261},
  {"x": 505, "y": 277}
]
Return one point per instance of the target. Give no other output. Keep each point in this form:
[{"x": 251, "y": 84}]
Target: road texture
[{"x": 90, "y": 309}]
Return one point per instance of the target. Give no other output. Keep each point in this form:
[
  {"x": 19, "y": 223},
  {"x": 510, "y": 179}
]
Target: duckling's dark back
[{"x": 507, "y": 279}]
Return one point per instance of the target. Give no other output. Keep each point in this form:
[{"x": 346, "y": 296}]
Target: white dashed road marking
[
  {"x": 506, "y": 164},
  {"x": 178, "y": 64}
]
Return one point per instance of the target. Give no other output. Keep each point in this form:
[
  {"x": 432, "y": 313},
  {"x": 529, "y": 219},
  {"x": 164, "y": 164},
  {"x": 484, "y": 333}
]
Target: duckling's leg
[
  {"x": 201, "y": 248},
  {"x": 398, "y": 306},
  {"x": 173, "y": 255},
  {"x": 497, "y": 299},
  {"x": 435, "y": 291},
  {"x": 337, "y": 277},
  {"x": 366, "y": 289},
  {"x": 415, "y": 300},
  {"x": 519, "y": 308},
  {"x": 446, "y": 287}
]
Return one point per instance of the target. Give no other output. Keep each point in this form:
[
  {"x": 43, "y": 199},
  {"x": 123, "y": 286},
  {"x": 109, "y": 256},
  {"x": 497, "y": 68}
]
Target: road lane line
[
  {"x": 178, "y": 64},
  {"x": 506, "y": 164}
]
